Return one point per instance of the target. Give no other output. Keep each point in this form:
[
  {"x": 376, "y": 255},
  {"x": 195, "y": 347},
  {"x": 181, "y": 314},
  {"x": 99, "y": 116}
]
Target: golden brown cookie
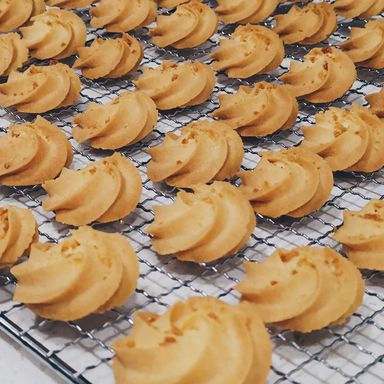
[
  {"x": 40, "y": 89},
  {"x": 54, "y": 34},
  {"x": 177, "y": 85},
  {"x": 259, "y": 110},
  {"x": 126, "y": 120},
  {"x": 251, "y": 50},
  {"x": 191, "y": 342},
  {"x": 15, "y": 13},
  {"x": 304, "y": 289},
  {"x": 292, "y": 182},
  {"x": 123, "y": 15},
  {"x": 13, "y": 53},
  {"x": 308, "y": 25},
  {"x": 324, "y": 76},
  {"x": 71, "y": 4},
  {"x": 91, "y": 271},
  {"x": 376, "y": 102},
  {"x": 18, "y": 230},
  {"x": 190, "y": 25},
  {"x": 212, "y": 222},
  {"x": 110, "y": 58},
  {"x": 362, "y": 235},
  {"x": 349, "y": 140},
  {"x": 32, "y": 153},
  {"x": 104, "y": 191},
  {"x": 357, "y": 8},
  {"x": 245, "y": 11},
  {"x": 365, "y": 46},
  {"x": 204, "y": 151}
]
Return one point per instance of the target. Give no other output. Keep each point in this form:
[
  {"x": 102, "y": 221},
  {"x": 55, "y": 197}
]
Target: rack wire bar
[{"x": 80, "y": 351}]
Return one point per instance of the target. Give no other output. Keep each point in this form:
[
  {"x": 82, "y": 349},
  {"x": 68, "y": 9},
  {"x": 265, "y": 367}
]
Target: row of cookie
[
  {"x": 125, "y": 15},
  {"x": 325, "y": 75},
  {"x": 291, "y": 182},
  {"x": 56, "y": 34},
  {"x": 125, "y": 53},
  {"x": 112, "y": 269},
  {"x": 348, "y": 140},
  {"x": 109, "y": 126},
  {"x": 330, "y": 289},
  {"x": 116, "y": 271},
  {"x": 251, "y": 110}
]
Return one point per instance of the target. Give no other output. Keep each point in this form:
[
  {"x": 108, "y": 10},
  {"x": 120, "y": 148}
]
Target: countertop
[{"x": 19, "y": 366}]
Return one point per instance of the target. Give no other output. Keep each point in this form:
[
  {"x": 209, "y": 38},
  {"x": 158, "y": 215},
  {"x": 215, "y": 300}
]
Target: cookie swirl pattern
[
  {"x": 54, "y": 34},
  {"x": 292, "y": 182},
  {"x": 190, "y": 25},
  {"x": 40, "y": 89},
  {"x": 362, "y": 235},
  {"x": 32, "y": 153},
  {"x": 349, "y": 140},
  {"x": 104, "y": 191},
  {"x": 204, "y": 151},
  {"x": 191, "y": 341},
  {"x": 177, "y": 85},
  {"x": 123, "y": 15},
  {"x": 110, "y": 58},
  {"x": 252, "y": 110},
  {"x": 126, "y": 120},
  {"x": 329, "y": 286},
  {"x": 325, "y": 75},
  {"x": 212, "y": 222},
  {"x": 251, "y": 50},
  {"x": 91, "y": 271}
]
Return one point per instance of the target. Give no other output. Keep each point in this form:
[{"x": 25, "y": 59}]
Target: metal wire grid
[{"x": 80, "y": 350}]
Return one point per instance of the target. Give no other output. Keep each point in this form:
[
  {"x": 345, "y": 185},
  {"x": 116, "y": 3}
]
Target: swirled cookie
[
  {"x": 252, "y": 49},
  {"x": 362, "y": 235},
  {"x": 104, "y": 191},
  {"x": 349, "y": 140},
  {"x": 357, "y": 8},
  {"x": 40, "y": 89},
  {"x": 177, "y": 85},
  {"x": 376, "y": 102},
  {"x": 13, "y": 53},
  {"x": 308, "y": 25},
  {"x": 54, "y": 34},
  {"x": 123, "y": 15},
  {"x": 191, "y": 342},
  {"x": 15, "y": 13},
  {"x": 204, "y": 151},
  {"x": 304, "y": 289},
  {"x": 18, "y": 230},
  {"x": 33, "y": 153},
  {"x": 190, "y": 25},
  {"x": 171, "y": 3},
  {"x": 92, "y": 271},
  {"x": 126, "y": 120},
  {"x": 365, "y": 46},
  {"x": 71, "y": 4},
  {"x": 245, "y": 11},
  {"x": 324, "y": 76},
  {"x": 292, "y": 182},
  {"x": 212, "y": 222},
  {"x": 110, "y": 58},
  {"x": 259, "y": 110}
]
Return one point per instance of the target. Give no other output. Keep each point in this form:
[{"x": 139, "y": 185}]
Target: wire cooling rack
[{"x": 80, "y": 350}]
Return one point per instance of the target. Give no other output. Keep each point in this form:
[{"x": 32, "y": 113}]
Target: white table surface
[{"x": 18, "y": 366}]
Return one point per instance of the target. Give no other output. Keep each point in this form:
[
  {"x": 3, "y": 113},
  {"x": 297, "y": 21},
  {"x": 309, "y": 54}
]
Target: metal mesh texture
[{"x": 80, "y": 350}]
